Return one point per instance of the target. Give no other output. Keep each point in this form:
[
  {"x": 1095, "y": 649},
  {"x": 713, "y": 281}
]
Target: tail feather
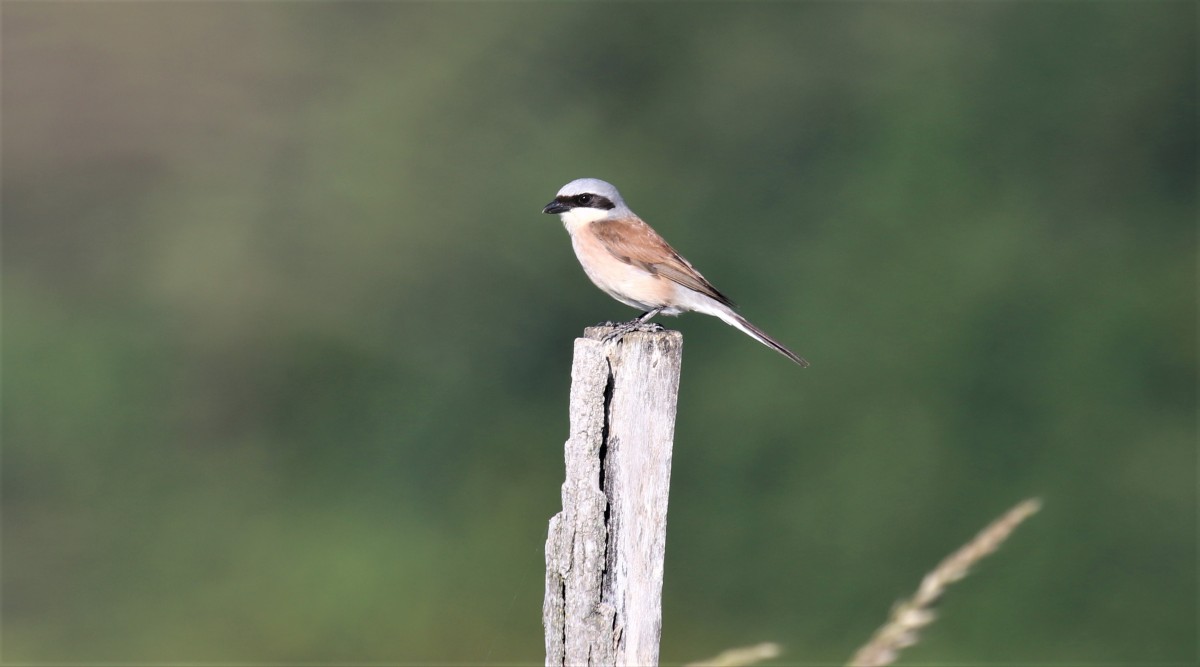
[{"x": 735, "y": 320}]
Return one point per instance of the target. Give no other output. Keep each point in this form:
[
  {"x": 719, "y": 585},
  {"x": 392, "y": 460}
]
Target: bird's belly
[{"x": 629, "y": 284}]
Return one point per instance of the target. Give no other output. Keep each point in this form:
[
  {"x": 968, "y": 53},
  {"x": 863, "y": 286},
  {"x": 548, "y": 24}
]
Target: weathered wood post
[{"x": 605, "y": 549}]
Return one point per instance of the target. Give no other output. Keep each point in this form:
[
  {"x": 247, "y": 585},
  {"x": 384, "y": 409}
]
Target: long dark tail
[{"x": 735, "y": 320}]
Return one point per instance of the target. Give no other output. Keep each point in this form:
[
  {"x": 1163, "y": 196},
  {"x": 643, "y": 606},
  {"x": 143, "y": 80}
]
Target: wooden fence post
[{"x": 605, "y": 549}]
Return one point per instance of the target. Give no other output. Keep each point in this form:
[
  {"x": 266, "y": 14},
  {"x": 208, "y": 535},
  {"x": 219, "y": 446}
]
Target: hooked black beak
[{"x": 556, "y": 207}]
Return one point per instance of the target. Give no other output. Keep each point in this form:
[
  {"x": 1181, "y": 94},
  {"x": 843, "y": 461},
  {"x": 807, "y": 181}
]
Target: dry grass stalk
[
  {"x": 909, "y": 616},
  {"x": 739, "y": 657}
]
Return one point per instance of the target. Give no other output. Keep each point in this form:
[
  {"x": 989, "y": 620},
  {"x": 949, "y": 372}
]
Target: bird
[{"x": 628, "y": 260}]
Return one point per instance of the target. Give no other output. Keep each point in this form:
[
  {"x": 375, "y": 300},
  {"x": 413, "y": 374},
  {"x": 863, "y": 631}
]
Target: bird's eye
[{"x": 584, "y": 199}]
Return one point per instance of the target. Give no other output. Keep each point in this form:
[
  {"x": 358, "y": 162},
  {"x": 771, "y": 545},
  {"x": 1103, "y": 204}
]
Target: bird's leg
[
  {"x": 647, "y": 316},
  {"x": 632, "y": 325}
]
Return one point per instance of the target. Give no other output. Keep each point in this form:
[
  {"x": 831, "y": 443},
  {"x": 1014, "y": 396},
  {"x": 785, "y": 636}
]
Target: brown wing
[{"x": 634, "y": 242}]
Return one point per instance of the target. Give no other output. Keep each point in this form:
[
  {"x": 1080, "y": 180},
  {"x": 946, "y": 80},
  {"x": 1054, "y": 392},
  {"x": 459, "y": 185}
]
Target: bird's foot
[{"x": 622, "y": 328}]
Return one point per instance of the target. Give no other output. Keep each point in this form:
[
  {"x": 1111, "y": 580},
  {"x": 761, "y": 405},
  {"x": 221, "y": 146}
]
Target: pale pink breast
[{"x": 625, "y": 282}]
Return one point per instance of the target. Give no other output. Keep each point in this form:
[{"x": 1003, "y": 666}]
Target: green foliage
[{"x": 286, "y": 338}]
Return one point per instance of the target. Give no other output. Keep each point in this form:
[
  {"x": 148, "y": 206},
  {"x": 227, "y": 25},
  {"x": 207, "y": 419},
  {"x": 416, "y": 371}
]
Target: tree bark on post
[{"x": 605, "y": 549}]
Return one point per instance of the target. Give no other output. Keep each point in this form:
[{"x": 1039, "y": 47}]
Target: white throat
[{"x": 578, "y": 217}]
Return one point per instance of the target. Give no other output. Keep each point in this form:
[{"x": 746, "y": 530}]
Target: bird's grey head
[{"x": 587, "y": 199}]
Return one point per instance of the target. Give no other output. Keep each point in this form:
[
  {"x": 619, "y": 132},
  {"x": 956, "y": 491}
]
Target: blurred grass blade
[
  {"x": 739, "y": 657},
  {"x": 909, "y": 616}
]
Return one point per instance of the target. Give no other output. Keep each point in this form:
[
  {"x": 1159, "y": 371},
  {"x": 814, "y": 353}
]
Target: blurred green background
[{"x": 287, "y": 340}]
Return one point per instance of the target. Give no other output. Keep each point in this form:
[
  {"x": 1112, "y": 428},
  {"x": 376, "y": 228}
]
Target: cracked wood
[{"x": 605, "y": 549}]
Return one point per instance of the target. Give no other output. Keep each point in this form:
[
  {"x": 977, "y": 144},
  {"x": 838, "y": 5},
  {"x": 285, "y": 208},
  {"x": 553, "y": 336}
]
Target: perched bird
[{"x": 633, "y": 264}]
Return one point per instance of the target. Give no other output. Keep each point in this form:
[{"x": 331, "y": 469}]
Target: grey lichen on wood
[{"x": 605, "y": 549}]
